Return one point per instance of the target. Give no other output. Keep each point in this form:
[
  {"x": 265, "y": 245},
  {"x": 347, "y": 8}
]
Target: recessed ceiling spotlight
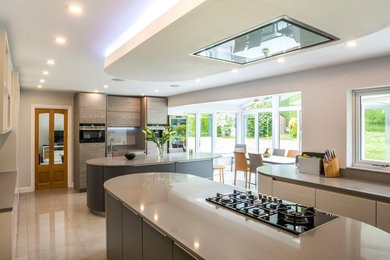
[
  {"x": 50, "y": 62},
  {"x": 60, "y": 40},
  {"x": 156, "y": 90},
  {"x": 105, "y": 86},
  {"x": 351, "y": 44},
  {"x": 45, "y": 72},
  {"x": 73, "y": 8},
  {"x": 174, "y": 86},
  {"x": 96, "y": 90},
  {"x": 118, "y": 79},
  {"x": 197, "y": 80},
  {"x": 235, "y": 70},
  {"x": 142, "y": 94},
  {"x": 39, "y": 86},
  {"x": 281, "y": 60},
  {"x": 42, "y": 80}
]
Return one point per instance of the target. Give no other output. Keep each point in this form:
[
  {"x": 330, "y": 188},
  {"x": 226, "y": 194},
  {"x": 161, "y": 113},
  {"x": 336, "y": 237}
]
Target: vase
[{"x": 160, "y": 149}]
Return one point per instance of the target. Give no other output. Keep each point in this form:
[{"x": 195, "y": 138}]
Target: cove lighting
[
  {"x": 150, "y": 14},
  {"x": 279, "y": 36}
]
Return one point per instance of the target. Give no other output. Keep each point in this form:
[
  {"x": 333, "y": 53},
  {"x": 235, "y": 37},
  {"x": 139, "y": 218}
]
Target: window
[
  {"x": 250, "y": 130},
  {"x": 226, "y": 133},
  {"x": 288, "y": 130},
  {"x": 206, "y": 125},
  {"x": 372, "y": 127},
  {"x": 190, "y": 132},
  {"x": 265, "y": 131}
]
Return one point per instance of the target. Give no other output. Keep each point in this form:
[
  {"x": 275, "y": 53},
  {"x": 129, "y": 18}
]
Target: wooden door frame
[{"x": 69, "y": 143}]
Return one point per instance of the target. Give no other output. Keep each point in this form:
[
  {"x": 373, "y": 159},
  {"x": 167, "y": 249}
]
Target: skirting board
[{"x": 31, "y": 189}]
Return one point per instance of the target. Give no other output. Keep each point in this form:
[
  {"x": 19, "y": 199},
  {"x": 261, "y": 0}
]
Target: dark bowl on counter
[{"x": 130, "y": 156}]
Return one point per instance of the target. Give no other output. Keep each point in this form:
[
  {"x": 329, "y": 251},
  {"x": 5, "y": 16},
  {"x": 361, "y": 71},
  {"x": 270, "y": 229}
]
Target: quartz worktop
[
  {"x": 7, "y": 190},
  {"x": 379, "y": 191},
  {"x": 142, "y": 159},
  {"x": 176, "y": 204}
]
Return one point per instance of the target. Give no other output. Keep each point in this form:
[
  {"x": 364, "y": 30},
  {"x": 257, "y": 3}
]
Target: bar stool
[{"x": 220, "y": 168}]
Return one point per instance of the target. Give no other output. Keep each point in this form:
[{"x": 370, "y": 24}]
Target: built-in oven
[{"x": 92, "y": 133}]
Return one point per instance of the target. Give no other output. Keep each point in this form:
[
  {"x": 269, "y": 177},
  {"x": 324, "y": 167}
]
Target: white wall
[
  {"x": 324, "y": 98},
  {"x": 28, "y": 99}
]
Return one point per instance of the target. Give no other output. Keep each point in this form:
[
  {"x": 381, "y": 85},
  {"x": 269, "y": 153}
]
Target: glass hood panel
[{"x": 279, "y": 36}]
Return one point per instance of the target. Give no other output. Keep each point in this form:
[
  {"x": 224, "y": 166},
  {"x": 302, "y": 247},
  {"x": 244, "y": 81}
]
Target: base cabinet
[
  {"x": 346, "y": 205},
  {"x": 383, "y": 216},
  {"x": 131, "y": 234},
  {"x": 114, "y": 228},
  {"x": 155, "y": 244},
  {"x": 294, "y": 193},
  {"x": 265, "y": 184},
  {"x": 180, "y": 253}
]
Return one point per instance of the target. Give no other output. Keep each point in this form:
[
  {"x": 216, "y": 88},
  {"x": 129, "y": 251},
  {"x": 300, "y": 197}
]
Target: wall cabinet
[
  {"x": 123, "y": 111},
  {"x": 6, "y": 84},
  {"x": 383, "y": 216},
  {"x": 294, "y": 193},
  {"x": 346, "y": 205},
  {"x": 156, "y": 111}
]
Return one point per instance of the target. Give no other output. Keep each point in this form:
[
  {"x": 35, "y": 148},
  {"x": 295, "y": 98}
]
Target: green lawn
[{"x": 375, "y": 147}]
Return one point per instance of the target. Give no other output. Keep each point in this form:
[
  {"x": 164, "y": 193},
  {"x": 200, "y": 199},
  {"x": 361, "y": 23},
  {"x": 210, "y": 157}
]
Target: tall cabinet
[
  {"x": 9, "y": 117},
  {"x": 89, "y": 108}
]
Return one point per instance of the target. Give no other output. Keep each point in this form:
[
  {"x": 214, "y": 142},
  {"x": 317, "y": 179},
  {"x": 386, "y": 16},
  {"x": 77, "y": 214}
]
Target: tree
[{"x": 292, "y": 125}]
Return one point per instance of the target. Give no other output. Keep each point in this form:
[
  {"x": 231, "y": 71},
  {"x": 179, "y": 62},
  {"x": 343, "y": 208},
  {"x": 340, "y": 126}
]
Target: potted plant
[{"x": 160, "y": 142}]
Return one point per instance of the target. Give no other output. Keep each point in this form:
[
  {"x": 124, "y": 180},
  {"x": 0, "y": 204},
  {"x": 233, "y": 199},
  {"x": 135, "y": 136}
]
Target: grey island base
[
  {"x": 165, "y": 216},
  {"x": 102, "y": 169}
]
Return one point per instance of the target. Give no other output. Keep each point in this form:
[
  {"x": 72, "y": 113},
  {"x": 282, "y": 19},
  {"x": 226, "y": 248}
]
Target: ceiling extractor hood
[{"x": 279, "y": 36}]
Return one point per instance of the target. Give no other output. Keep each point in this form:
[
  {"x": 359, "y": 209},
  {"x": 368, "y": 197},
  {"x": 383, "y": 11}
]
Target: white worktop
[
  {"x": 142, "y": 159},
  {"x": 176, "y": 204},
  {"x": 290, "y": 173}
]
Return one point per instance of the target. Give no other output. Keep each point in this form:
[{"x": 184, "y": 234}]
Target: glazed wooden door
[{"x": 51, "y": 132}]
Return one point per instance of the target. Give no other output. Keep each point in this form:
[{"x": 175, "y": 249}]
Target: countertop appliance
[
  {"x": 294, "y": 218},
  {"x": 92, "y": 133}
]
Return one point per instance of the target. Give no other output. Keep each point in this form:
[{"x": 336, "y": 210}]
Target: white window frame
[
  {"x": 275, "y": 110},
  {"x": 356, "y": 129}
]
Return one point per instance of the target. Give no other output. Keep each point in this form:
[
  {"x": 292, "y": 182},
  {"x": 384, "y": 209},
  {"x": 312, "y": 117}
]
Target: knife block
[{"x": 332, "y": 168}]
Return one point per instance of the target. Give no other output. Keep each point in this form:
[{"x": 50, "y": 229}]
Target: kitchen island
[
  {"x": 102, "y": 169},
  {"x": 166, "y": 216}
]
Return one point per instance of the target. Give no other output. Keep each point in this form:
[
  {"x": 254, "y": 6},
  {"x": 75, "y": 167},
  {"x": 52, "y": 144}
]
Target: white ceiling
[{"x": 31, "y": 26}]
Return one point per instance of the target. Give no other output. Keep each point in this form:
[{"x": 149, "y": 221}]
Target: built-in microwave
[{"x": 92, "y": 133}]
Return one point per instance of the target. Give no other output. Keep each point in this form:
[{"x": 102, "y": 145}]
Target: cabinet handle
[
  {"x": 155, "y": 228},
  {"x": 185, "y": 250}
]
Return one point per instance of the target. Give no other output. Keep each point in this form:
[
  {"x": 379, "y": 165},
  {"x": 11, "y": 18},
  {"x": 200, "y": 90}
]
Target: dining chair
[
  {"x": 255, "y": 160},
  {"x": 176, "y": 150},
  {"x": 237, "y": 148},
  {"x": 241, "y": 164},
  {"x": 278, "y": 152},
  {"x": 292, "y": 153}
]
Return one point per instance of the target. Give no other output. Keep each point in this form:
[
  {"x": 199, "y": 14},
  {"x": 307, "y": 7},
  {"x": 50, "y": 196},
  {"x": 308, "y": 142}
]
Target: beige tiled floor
[{"x": 56, "y": 224}]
